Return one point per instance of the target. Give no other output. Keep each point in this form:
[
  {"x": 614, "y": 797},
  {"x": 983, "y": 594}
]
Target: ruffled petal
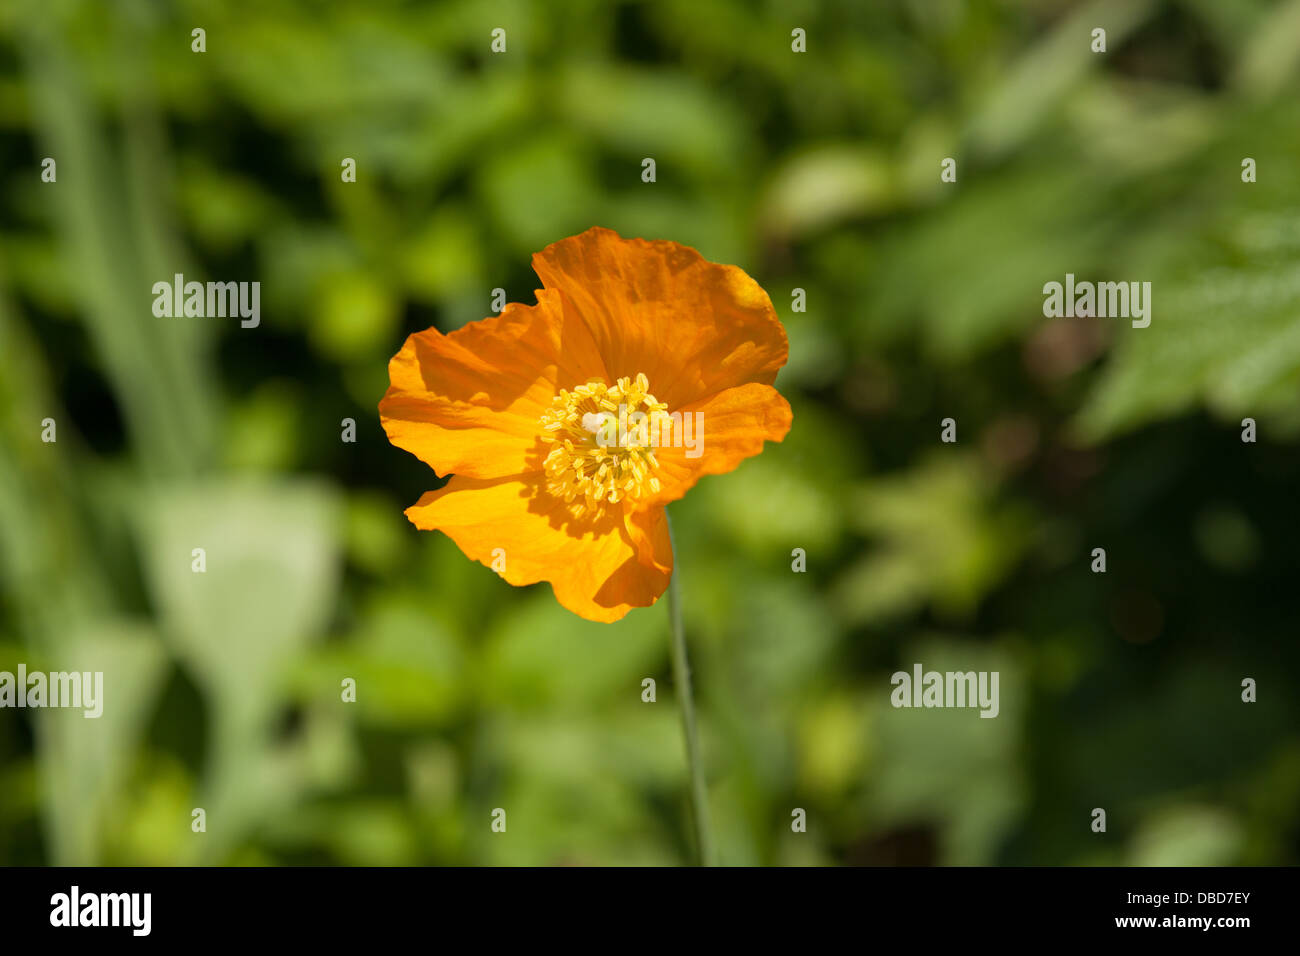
[
  {"x": 648, "y": 530},
  {"x": 694, "y": 327},
  {"x": 469, "y": 402},
  {"x": 599, "y": 569},
  {"x": 724, "y": 430}
]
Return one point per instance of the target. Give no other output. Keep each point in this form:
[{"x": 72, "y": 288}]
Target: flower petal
[
  {"x": 596, "y": 568},
  {"x": 732, "y": 426},
  {"x": 648, "y": 530},
  {"x": 469, "y": 402},
  {"x": 694, "y": 327}
]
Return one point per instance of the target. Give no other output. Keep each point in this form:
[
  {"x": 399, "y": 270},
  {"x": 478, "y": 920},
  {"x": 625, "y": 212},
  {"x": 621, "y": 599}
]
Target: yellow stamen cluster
[{"x": 590, "y": 463}]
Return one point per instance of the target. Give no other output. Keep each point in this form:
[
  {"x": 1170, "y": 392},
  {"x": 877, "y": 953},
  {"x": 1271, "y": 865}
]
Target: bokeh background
[{"x": 817, "y": 171}]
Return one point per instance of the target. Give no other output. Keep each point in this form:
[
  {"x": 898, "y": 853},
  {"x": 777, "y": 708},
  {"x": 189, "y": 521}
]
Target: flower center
[{"x": 601, "y": 440}]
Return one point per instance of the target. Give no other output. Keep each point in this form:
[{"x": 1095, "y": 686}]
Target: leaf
[
  {"x": 85, "y": 761},
  {"x": 543, "y": 657},
  {"x": 268, "y": 591}
]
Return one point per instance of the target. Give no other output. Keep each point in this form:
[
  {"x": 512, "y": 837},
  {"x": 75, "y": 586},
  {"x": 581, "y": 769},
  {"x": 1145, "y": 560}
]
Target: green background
[{"x": 817, "y": 171}]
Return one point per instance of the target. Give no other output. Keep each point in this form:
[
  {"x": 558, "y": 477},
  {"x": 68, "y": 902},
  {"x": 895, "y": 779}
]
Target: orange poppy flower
[{"x": 569, "y": 424}]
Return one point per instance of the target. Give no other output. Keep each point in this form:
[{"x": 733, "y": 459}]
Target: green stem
[{"x": 686, "y": 701}]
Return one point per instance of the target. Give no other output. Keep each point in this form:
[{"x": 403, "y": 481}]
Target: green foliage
[{"x": 817, "y": 171}]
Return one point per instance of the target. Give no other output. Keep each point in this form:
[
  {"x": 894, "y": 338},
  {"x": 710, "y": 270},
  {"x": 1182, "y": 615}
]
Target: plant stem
[{"x": 686, "y": 702}]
